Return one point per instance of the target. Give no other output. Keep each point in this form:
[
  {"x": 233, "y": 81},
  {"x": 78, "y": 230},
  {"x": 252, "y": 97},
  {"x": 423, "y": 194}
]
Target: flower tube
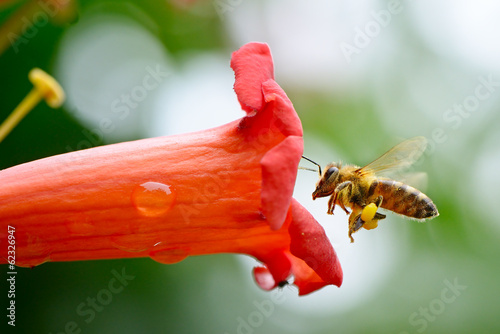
[{"x": 221, "y": 190}]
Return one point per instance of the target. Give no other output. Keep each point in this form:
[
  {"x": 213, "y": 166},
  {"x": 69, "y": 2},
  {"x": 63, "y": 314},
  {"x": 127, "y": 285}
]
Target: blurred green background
[{"x": 362, "y": 76}]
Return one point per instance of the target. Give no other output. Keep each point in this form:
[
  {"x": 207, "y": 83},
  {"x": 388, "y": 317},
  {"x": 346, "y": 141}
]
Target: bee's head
[{"x": 328, "y": 181}]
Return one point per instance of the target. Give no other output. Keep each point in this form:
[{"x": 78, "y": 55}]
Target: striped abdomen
[{"x": 403, "y": 199}]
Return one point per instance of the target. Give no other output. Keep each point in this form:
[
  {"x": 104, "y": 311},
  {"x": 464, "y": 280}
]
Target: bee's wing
[
  {"x": 400, "y": 156},
  {"x": 417, "y": 180}
]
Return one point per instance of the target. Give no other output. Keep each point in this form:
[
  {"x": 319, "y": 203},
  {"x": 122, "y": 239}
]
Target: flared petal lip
[
  {"x": 252, "y": 65},
  {"x": 267, "y": 105}
]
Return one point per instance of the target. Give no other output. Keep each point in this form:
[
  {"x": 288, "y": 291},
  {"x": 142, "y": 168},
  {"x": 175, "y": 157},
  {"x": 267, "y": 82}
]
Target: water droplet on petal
[
  {"x": 31, "y": 250},
  {"x": 168, "y": 255},
  {"x": 32, "y": 262},
  {"x": 153, "y": 199}
]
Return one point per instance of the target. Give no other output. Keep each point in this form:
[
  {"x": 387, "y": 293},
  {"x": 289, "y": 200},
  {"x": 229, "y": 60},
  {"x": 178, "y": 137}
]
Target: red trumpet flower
[{"x": 226, "y": 189}]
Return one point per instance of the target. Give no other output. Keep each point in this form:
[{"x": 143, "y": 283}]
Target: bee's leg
[
  {"x": 378, "y": 203},
  {"x": 343, "y": 207},
  {"x": 358, "y": 223},
  {"x": 369, "y": 217},
  {"x": 347, "y": 185},
  {"x": 354, "y": 223},
  {"x": 331, "y": 203}
]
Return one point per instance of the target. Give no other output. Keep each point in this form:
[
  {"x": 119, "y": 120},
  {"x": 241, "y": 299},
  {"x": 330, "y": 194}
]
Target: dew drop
[
  {"x": 32, "y": 262},
  {"x": 153, "y": 199},
  {"x": 168, "y": 255},
  {"x": 32, "y": 250}
]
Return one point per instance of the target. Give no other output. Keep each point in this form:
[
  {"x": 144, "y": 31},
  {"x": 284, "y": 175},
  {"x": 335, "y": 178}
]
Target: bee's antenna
[
  {"x": 319, "y": 167},
  {"x": 309, "y": 169}
]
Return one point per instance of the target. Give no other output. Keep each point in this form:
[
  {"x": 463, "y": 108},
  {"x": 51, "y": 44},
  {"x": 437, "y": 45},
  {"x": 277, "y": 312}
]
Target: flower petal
[
  {"x": 252, "y": 65},
  {"x": 264, "y": 278},
  {"x": 306, "y": 279},
  {"x": 148, "y": 198},
  {"x": 278, "y": 267},
  {"x": 310, "y": 243},
  {"x": 287, "y": 120},
  {"x": 279, "y": 170}
]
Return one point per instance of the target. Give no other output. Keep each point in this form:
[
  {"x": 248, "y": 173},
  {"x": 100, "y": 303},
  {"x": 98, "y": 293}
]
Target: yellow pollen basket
[{"x": 367, "y": 216}]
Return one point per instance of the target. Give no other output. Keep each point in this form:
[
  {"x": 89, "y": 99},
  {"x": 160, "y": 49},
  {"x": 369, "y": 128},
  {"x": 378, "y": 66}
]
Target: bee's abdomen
[{"x": 404, "y": 199}]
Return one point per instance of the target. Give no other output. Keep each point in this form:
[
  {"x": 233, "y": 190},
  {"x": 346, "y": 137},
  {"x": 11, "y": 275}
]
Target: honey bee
[{"x": 364, "y": 190}]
